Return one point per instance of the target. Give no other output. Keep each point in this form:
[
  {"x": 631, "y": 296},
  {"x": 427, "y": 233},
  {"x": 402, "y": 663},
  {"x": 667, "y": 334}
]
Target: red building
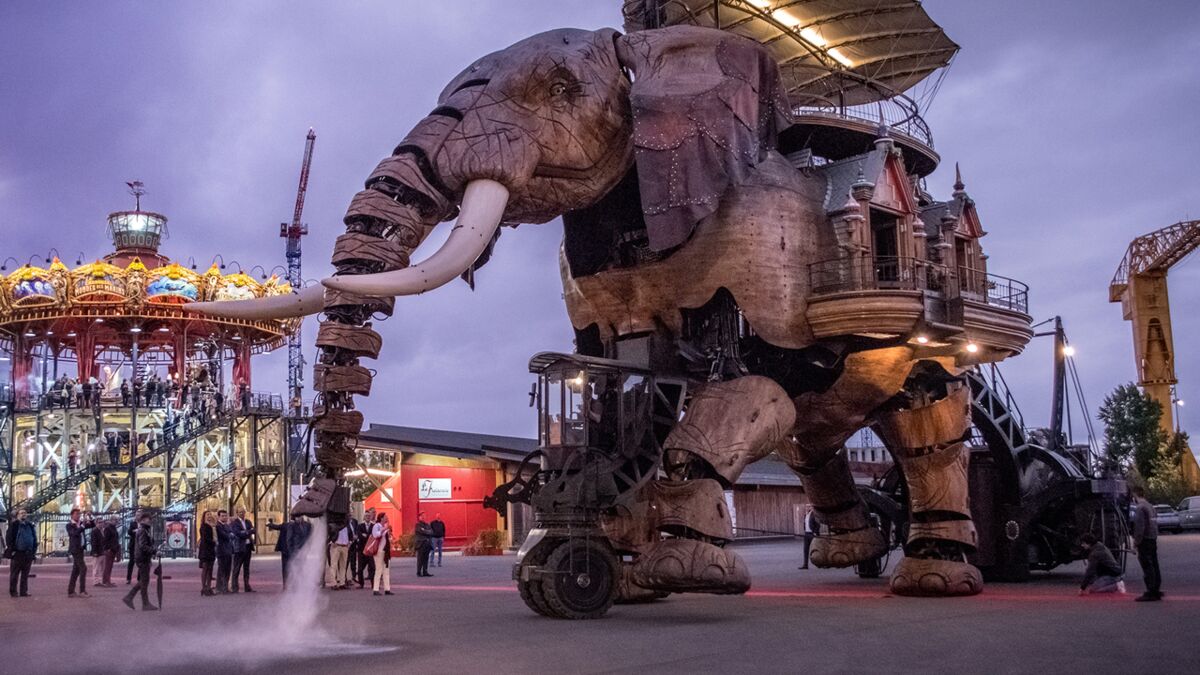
[{"x": 446, "y": 473}]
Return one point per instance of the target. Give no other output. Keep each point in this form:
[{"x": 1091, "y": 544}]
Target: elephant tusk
[
  {"x": 481, "y": 211},
  {"x": 308, "y": 301}
]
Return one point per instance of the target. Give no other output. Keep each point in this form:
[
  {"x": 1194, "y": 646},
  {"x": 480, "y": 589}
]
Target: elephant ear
[{"x": 707, "y": 106}]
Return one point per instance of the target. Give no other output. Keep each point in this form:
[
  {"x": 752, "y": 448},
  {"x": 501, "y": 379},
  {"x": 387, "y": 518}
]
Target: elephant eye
[{"x": 558, "y": 89}]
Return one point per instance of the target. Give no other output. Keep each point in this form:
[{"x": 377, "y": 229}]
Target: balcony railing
[
  {"x": 911, "y": 274},
  {"x": 994, "y": 289}
]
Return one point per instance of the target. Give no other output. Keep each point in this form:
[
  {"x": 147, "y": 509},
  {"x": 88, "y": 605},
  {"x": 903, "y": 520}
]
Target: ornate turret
[{"x": 137, "y": 233}]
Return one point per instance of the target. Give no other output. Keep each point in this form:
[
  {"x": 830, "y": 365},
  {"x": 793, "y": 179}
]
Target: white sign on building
[{"x": 434, "y": 488}]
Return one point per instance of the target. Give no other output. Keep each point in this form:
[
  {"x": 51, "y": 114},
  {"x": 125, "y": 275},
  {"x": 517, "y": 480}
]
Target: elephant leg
[
  {"x": 927, "y": 439},
  {"x": 727, "y": 426},
  {"x": 824, "y": 421},
  {"x": 830, "y": 488}
]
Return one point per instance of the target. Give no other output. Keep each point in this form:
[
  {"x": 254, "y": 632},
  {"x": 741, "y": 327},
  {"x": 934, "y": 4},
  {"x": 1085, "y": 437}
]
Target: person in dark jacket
[
  {"x": 112, "y": 552},
  {"x": 281, "y": 545},
  {"x": 437, "y": 537},
  {"x": 366, "y": 563},
  {"x": 207, "y": 552},
  {"x": 21, "y": 545},
  {"x": 1103, "y": 574},
  {"x": 243, "y": 549},
  {"x": 144, "y": 555},
  {"x": 130, "y": 547},
  {"x": 1145, "y": 539},
  {"x": 225, "y": 540},
  {"x": 77, "y": 527},
  {"x": 421, "y": 541}
]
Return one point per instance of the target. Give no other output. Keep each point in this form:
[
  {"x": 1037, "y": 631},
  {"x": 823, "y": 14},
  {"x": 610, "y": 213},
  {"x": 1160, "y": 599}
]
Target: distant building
[{"x": 450, "y": 472}]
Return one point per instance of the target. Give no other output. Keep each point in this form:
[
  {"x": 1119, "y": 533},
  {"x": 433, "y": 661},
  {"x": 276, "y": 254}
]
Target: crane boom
[
  {"x": 293, "y": 232},
  {"x": 1140, "y": 285}
]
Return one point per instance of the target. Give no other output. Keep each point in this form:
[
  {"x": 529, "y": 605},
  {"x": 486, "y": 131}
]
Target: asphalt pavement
[{"x": 469, "y": 618}]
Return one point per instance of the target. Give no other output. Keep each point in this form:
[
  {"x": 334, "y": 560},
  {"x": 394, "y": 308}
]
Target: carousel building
[{"x": 117, "y": 399}]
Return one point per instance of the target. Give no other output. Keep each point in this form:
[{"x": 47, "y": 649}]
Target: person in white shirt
[
  {"x": 383, "y": 577},
  {"x": 339, "y": 550}
]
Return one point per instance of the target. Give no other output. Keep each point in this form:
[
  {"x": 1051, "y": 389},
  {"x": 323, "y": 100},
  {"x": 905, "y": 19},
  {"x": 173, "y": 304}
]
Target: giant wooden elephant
[{"x": 682, "y": 222}]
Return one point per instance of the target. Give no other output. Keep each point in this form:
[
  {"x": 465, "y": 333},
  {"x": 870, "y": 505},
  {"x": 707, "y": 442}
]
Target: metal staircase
[{"x": 73, "y": 480}]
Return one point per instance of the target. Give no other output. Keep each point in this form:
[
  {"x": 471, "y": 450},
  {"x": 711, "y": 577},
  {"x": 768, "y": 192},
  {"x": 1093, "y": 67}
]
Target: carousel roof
[
  {"x": 37, "y": 302},
  {"x": 830, "y": 52}
]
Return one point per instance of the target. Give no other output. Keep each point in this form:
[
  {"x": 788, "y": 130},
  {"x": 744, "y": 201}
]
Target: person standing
[
  {"x": 207, "y": 552},
  {"x": 243, "y": 549},
  {"x": 225, "y": 541},
  {"x": 124, "y": 393},
  {"x": 421, "y": 540},
  {"x": 437, "y": 537},
  {"x": 381, "y": 534},
  {"x": 339, "y": 553},
  {"x": 73, "y": 458},
  {"x": 77, "y": 526},
  {"x": 144, "y": 555},
  {"x": 21, "y": 544},
  {"x": 97, "y": 546},
  {"x": 1145, "y": 539},
  {"x": 366, "y": 563},
  {"x": 281, "y": 545},
  {"x": 53, "y": 465},
  {"x": 112, "y": 552},
  {"x": 810, "y": 532},
  {"x": 130, "y": 549}
]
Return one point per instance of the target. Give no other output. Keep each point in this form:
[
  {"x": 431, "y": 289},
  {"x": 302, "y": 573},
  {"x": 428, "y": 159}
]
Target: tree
[
  {"x": 1168, "y": 484},
  {"x": 1132, "y": 434}
]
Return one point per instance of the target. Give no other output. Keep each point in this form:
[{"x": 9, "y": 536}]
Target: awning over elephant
[{"x": 830, "y": 52}]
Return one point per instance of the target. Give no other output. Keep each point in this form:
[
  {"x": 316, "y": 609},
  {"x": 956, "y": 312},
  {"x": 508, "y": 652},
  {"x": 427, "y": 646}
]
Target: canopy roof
[{"x": 830, "y": 52}]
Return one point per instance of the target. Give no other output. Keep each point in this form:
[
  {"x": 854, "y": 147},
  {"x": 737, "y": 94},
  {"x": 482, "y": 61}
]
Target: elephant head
[{"x": 548, "y": 126}]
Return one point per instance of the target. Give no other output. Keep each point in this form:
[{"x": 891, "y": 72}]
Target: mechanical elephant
[{"x": 688, "y": 239}]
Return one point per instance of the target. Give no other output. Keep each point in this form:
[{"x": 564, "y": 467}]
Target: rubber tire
[
  {"x": 558, "y": 573},
  {"x": 870, "y": 569},
  {"x": 531, "y": 591}
]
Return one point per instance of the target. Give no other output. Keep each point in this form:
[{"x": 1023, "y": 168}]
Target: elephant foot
[
  {"x": 847, "y": 549},
  {"x": 315, "y": 499},
  {"x": 691, "y": 566},
  {"x": 931, "y": 577}
]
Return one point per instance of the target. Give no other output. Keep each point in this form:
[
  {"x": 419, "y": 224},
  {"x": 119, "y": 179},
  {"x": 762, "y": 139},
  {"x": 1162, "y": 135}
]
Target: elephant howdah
[{"x": 692, "y": 248}]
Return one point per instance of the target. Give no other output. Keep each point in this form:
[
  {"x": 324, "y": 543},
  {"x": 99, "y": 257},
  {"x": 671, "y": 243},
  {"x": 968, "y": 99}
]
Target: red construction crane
[{"x": 293, "y": 232}]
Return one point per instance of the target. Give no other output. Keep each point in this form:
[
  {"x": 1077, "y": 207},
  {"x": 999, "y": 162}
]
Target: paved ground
[{"x": 470, "y": 619}]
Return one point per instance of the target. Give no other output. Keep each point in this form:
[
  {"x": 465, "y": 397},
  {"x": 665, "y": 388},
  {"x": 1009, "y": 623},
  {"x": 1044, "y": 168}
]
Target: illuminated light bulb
[
  {"x": 1068, "y": 350},
  {"x": 972, "y": 347},
  {"x": 922, "y": 340}
]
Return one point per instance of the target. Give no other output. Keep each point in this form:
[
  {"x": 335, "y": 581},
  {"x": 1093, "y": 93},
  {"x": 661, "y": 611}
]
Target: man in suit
[
  {"x": 144, "y": 552},
  {"x": 224, "y": 550},
  {"x": 77, "y": 526},
  {"x": 366, "y": 564},
  {"x": 421, "y": 540},
  {"x": 243, "y": 548},
  {"x": 21, "y": 545},
  {"x": 112, "y": 551},
  {"x": 281, "y": 545}
]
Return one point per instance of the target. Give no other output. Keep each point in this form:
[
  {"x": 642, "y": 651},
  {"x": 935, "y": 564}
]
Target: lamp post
[{"x": 1176, "y": 404}]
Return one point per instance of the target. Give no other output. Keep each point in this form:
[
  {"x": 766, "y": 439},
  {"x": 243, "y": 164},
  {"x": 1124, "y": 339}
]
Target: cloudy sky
[{"x": 1074, "y": 123}]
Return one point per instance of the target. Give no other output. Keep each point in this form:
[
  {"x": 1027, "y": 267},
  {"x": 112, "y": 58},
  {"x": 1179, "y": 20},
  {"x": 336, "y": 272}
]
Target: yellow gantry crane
[{"x": 1140, "y": 285}]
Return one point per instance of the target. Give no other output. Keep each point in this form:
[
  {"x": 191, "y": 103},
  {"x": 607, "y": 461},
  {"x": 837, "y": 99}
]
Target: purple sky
[{"x": 1074, "y": 123}]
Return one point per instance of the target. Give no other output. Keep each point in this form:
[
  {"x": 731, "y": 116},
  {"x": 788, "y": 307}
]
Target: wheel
[
  {"x": 870, "y": 569},
  {"x": 531, "y": 590},
  {"x": 580, "y": 579}
]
